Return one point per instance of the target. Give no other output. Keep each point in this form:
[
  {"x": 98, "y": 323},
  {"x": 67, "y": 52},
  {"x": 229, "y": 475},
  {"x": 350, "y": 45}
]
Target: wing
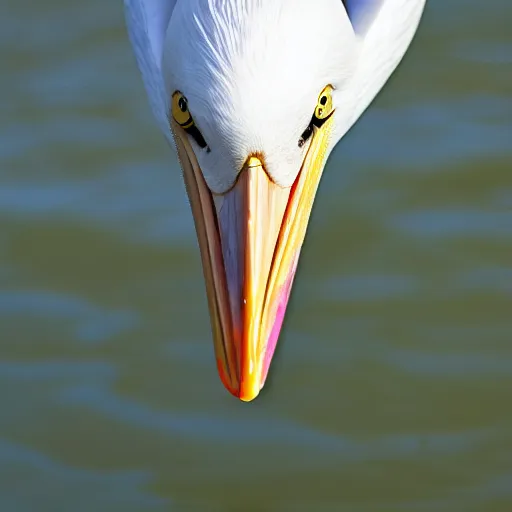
[
  {"x": 386, "y": 29},
  {"x": 147, "y": 22}
]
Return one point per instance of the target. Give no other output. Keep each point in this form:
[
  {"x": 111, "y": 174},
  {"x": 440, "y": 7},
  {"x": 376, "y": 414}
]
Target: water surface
[{"x": 392, "y": 386}]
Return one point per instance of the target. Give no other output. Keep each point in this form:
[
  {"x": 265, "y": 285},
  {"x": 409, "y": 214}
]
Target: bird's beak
[{"x": 250, "y": 240}]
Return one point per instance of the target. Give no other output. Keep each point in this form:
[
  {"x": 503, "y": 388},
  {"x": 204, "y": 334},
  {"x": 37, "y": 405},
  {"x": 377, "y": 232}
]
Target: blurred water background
[{"x": 392, "y": 386}]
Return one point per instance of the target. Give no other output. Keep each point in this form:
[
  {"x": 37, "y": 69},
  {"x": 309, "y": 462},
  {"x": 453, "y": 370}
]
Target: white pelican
[{"x": 255, "y": 94}]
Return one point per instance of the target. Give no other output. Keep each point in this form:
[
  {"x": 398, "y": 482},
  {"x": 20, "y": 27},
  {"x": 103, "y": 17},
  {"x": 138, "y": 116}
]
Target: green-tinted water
[{"x": 392, "y": 386}]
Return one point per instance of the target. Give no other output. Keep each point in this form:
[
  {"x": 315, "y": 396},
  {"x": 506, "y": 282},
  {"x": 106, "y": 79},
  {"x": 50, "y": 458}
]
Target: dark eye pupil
[
  {"x": 323, "y": 100},
  {"x": 182, "y": 104}
]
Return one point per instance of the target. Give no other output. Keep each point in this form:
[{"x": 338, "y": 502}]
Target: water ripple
[
  {"x": 450, "y": 365},
  {"x": 492, "y": 279},
  {"x": 458, "y": 223},
  {"x": 85, "y": 489},
  {"x": 368, "y": 287},
  {"x": 41, "y": 371},
  {"x": 123, "y": 199},
  {"x": 207, "y": 429},
  {"x": 93, "y": 324},
  {"x": 452, "y": 131}
]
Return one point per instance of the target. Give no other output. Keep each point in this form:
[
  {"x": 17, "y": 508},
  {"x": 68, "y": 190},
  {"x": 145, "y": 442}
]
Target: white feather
[
  {"x": 252, "y": 69},
  {"x": 388, "y": 37},
  {"x": 147, "y": 22}
]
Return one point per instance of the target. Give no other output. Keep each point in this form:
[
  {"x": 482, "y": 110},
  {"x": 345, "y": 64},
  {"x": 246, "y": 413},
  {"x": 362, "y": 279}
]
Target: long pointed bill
[{"x": 250, "y": 240}]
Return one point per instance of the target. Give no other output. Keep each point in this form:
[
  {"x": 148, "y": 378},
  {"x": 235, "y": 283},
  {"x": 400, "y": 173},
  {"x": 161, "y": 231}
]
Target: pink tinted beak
[{"x": 250, "y": 240}]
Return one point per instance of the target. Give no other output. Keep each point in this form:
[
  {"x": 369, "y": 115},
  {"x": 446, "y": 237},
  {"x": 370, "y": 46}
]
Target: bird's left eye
[
  {"x": 183, "y": 117},
  {"x": 323, "y": 111}
]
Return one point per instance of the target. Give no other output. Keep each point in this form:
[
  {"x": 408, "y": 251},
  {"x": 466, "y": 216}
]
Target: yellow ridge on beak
[{"x": 250, "y": 240}]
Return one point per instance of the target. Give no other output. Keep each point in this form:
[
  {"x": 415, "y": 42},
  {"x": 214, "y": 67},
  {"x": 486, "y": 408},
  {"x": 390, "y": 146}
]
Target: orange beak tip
[{"x": 248, "y": 398}]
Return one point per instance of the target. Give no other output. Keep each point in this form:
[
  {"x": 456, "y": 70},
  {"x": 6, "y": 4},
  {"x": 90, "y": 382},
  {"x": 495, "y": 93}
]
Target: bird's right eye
[
  {"x": 323, "y": 111},
  {"x": 183, "y": 117}
]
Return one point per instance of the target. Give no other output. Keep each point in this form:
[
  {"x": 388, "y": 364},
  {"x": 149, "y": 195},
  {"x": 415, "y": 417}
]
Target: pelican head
[{"x": 255, "y": 95}]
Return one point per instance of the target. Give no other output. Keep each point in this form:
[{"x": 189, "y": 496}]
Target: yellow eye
[
  {"x": 323, "y": 111},
  {"x": 324, "y": 106},
  {"x": 183, "y": 117},
  {"x": 180, "y": 111}
]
